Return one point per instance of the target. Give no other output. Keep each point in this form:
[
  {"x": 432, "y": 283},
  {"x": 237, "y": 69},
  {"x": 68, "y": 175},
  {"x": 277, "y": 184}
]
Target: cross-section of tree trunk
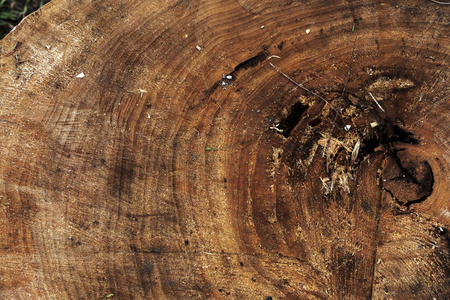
[{"x": 226, "y": 150}]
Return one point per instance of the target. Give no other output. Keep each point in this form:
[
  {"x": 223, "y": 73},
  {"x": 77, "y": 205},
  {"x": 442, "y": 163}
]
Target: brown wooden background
[{"x": 153, "y": 177}]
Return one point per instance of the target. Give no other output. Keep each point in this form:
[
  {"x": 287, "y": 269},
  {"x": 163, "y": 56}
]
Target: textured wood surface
[{"x": 131, "y": 168}]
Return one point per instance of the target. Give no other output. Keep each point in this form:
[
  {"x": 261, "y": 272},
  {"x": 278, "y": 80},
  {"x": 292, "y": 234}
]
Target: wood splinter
[
  {"x": 302, "y": 87},
  {"x": 374, "y": 99}
]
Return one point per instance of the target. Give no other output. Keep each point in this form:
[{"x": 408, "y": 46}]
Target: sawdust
[{"x": 341, "y": 174}]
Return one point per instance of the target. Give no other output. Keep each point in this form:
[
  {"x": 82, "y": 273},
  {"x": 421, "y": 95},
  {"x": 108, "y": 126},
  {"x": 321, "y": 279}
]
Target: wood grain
[{"x": 156, "y": 176}]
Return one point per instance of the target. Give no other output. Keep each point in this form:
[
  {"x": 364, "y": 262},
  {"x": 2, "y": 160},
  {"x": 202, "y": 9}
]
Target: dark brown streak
[
  {"x": 248, "y": 63},
  {"x": 7, "y": 121}
]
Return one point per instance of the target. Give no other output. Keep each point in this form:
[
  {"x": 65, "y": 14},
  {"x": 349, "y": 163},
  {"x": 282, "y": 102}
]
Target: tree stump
[{"x": 170, "y": 150}]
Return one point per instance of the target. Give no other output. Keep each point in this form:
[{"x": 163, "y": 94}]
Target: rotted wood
[{"x": 151, "y": 150}]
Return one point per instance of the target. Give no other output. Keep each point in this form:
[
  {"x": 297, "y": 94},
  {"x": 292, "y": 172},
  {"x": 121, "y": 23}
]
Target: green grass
[
  {"x": 8, "y": 17},
  {"x": 13, "y": 11}
]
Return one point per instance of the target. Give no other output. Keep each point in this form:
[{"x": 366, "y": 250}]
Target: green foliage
[
  {"x": 8, "y": 16},
  {"x": 210, "y": 149},
  {"x": 12, "y": 12}
]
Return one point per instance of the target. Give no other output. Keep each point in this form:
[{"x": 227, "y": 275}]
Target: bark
[{"x": 151, "y": 150}]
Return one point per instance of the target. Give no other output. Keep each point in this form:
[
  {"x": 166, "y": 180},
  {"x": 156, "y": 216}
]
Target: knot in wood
[{"x": 408, "y": 178}]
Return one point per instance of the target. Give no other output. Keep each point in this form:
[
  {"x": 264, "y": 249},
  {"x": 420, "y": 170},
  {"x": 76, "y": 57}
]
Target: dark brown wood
[{"x": 132, "y": 167}]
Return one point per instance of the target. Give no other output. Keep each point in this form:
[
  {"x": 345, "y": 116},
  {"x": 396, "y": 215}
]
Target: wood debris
[
  {"x": 374, "y": 99},
  {"x": 355, "y": 152}
]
